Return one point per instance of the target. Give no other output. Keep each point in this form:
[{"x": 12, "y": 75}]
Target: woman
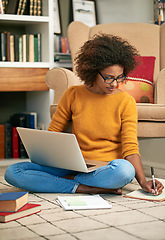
[{"x": 104, "y": 120}]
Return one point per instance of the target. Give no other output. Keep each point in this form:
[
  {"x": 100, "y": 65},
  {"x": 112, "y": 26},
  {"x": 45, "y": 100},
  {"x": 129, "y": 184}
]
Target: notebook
[
  {"x": 141, "y": 194},
  {"x": 56, "y": 149},
  {"x": 83, "y": 202}
]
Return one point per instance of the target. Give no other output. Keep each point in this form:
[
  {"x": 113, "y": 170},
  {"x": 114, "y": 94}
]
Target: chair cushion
[
  {"x": 139, "y": 83},
  {"x": 151, "y": 112}
]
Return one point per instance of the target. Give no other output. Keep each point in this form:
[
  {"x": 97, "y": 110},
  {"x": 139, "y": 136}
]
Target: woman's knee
[
  {"x": 13, "y": 174},
  {"x": 126, "y": 170}
]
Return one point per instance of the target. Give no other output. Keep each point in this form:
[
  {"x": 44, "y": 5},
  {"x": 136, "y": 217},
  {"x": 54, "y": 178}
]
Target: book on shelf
[
  {"x": 21, "y": 7},
  {"x": 25, "y": 7},
  {"x": 83, "y": 202},
  {"x": 24, "y": 47},
  {"x": 39, "y": 8},
  {"x": 16, "y": 121},
  {"x": 5, "y": 5},
  {"x": 31, "y": 7},
  {"x": 20, "y": 52},
  {"x": 62, "y": 57},
  {"x": 7, "y": 46},
  {"x": 35, "y": 7},
  {"x": 61, "y": 44},
  {"x": 24, "y": 119},
  {"x": 8, "y": 140},
  {"x": 31, "y": 48},
  {"x": 12, "y": 201},
  {"x": 142, "y": 195},
  {"x": 3, "y": 53},
  {"x": 15, "y": 143},
  {"x": 16, "y": 47},
  {"x": 11, "y": 46},
  {"x": 25, "y": 211},
  {"x": 2, "y": 141},
  {"x": 12, "y": 6},
  {"x": 20, "y": 48},
  {"x": 1, "y": 7}
]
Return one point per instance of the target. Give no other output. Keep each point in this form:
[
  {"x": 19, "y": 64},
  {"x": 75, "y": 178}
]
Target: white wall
[{"x": 110, "y": 11}]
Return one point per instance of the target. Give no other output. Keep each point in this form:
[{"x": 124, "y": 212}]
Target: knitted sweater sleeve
[
  {"x": 129, "y": 129},
  {"x": 63, "y": 113}
]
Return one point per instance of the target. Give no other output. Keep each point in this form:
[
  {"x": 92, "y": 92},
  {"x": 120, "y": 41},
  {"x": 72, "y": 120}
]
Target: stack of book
[
  {"x": 61, "y": 44},
  {"x": 61, "y": 48},
  {"x": 20, "y": 48},
  {"x": 14, "y": 205},
  {"x": 62, "y": 57},
  {"x": 11, "y": 145},
  {"x": 21, "y": 7}
]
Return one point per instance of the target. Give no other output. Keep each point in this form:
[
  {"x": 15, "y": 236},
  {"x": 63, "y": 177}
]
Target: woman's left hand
[{"x": 148, "y": 187}]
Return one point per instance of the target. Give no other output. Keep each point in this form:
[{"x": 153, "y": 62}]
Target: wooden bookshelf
[{"x": 23, "y": 79}]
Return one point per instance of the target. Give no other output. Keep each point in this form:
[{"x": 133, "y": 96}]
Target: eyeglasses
[{"x": 119, "y": 79}]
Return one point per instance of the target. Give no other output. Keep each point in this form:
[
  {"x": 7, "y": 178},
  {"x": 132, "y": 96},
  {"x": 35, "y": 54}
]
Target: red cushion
[{"x": 139, "y": 82}]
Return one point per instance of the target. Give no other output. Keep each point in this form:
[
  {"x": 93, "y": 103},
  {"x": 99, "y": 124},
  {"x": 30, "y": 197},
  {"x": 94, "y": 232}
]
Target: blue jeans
[{"x": 36, "y": 178}]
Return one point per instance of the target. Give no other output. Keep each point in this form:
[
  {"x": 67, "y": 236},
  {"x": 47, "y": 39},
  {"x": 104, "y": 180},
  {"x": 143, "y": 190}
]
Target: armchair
[{"x": 149, "y": 39}]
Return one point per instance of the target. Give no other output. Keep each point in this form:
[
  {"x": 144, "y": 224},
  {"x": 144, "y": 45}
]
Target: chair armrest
[
  {"x": 60, "y": 79},
  {"x": 160, "y": 88}
]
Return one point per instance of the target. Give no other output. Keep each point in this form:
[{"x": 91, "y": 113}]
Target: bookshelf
[{"x": 27, "y": 79}]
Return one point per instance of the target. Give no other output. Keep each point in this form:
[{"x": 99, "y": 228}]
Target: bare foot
[
  {"x": 97, "y": 190},
  {"x": 88, "y": 189}
]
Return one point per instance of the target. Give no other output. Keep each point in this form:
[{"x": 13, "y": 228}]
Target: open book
[
  {"x": 82, "y": 202},
  {"x": 141, "y": 194}
]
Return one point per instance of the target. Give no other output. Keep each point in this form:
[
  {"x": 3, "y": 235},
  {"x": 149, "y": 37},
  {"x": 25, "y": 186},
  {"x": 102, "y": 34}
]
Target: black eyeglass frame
[{"x": 118, "y": 81}]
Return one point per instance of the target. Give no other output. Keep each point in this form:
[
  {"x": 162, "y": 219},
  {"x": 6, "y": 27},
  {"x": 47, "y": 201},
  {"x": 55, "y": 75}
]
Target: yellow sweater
[{"x": 105, "y": 125}]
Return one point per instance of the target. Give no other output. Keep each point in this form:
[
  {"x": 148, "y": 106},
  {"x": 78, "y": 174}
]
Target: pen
[{"x": 153, "y": 178}]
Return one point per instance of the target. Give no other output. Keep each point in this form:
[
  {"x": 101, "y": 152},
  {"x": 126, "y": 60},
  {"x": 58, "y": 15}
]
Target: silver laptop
[{"x": 56, "y": 149}]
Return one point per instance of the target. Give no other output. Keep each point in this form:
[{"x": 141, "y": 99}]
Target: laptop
[{"x": 56, "y": 149}]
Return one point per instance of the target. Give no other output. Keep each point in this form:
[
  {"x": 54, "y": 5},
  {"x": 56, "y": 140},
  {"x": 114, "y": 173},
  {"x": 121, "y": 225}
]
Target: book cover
[
  {"x": 31, "y": 48},
  {"x": 8, "y": 46},
  {"x": 25, "y": 7},
  {"x": 31, "y": 7},
  {"x": 1, "y": 8},
  {"x": 35, "y": 7},
  {"x": 8, "y": 140},
  {"x": 12, "y": 201},
  {"x": 3, "y": 46},
  {"x": 31, "y": 119},
  {"x": 24, "y": 119},
  {"x": 24, "y": 47},
  {"x": 35, "y": 48},
  {"x": 19, "y": 120},
  {"x": 25, "y": 211},
  {"x": 2, "y": 141},
  {"x": 20, "y": 49},
  {"x": 83, "y": 202},
  {"x": 27, "y": 47},
  {"x": 39, "y": 46},
  {"x": 12, "y": 51},
  {"x": 16, "y": 47},
  {"x": 12, "y": 7},
  {"x": 39, "y": 8},
  {"x": 141, "y": 194},
  {"x": 19, "y": 7},
  {"x": 63, "y": 45},
  {"x": 15, "y": 146}
]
